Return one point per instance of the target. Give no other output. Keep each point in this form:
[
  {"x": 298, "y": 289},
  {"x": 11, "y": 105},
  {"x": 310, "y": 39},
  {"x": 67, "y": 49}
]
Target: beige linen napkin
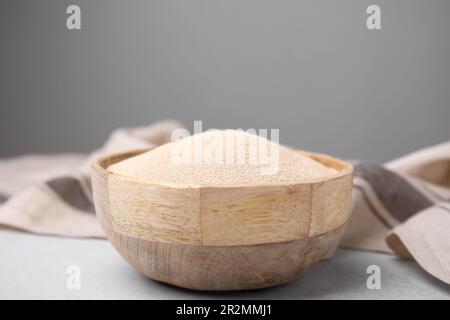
[
  {"x": 401, "y": 207},
  {"x": 51, "y": 194}
]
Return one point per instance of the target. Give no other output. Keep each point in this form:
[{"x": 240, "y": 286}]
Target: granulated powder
[{"x": 222, "y": 158}]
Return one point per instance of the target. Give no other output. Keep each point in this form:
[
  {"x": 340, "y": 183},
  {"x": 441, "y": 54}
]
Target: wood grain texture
[
  {"x": 249, "y": 215},
  {"x": 330, "y": 204},
  {"x": 155, "y": 212},
  {"x": 223, "y": 267},
  {"x": 222, "y": 238},
  {"x": 223, "y": 215}
]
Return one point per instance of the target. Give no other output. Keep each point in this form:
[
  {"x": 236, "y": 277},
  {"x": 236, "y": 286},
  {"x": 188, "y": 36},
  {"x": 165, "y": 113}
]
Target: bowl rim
[{"x": 101, "y": 164}]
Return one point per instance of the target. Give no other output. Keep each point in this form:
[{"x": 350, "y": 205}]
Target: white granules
[{"x": 222, "y": 158}]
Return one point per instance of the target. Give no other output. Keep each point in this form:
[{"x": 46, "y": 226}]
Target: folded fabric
[
  {"x": 401, "y": 207},
  {"x": 52, "y": 194}
]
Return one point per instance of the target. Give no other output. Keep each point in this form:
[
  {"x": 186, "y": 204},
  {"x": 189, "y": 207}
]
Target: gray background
[{"x": 310, "y": 68}]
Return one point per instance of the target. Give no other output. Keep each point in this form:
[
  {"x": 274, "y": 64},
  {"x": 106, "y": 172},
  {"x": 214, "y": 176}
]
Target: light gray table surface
[{"x": 35, "y": 266}]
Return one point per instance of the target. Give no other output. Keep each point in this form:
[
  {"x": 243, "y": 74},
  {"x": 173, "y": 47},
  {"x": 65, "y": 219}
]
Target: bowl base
[{"x": 223, "y": 267}]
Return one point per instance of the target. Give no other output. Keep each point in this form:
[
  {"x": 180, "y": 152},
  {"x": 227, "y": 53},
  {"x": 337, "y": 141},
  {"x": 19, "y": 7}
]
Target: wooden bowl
[{"x": 222, "y": 238}]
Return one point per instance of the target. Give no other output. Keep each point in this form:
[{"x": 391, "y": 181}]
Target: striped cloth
[
  {"x": 401, "y": 207},
  {"x": 51, "y": 194}
]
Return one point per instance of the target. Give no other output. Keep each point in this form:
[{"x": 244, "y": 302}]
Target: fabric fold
[
  {"x": 426, "y": 238},
  {"x": 402, "y": 207},
  {"x": 52, "y": 194}
]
